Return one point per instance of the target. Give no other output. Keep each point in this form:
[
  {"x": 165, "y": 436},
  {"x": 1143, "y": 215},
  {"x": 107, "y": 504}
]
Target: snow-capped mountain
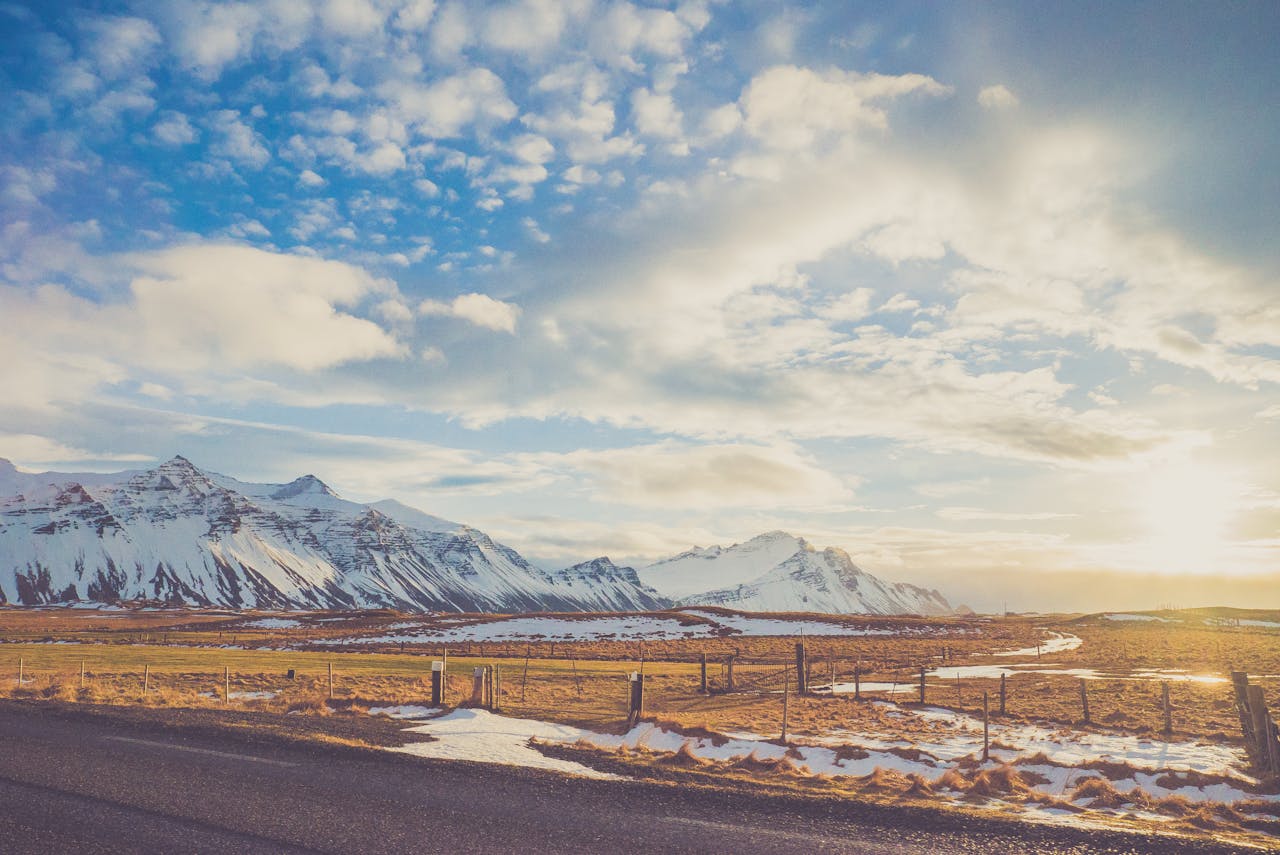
[
  {"x": 601, "y": 581},
  {"x": 179, "y": 534},
  {"x": 780, "y": 572}
]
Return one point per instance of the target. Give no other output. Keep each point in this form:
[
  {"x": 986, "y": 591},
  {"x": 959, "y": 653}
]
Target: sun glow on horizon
[{"x": 1187, "y": 509}]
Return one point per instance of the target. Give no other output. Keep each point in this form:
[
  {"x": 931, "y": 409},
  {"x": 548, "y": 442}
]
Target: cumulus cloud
[
  {"x": 237, "y": 141},
  {"x": 790, "y": 107},
  {"x": 997, "y": 97},
  {"x": 476, "y": 97},
  {"x": 479, "y": 309},
  {"x": 174, "y": 129}
]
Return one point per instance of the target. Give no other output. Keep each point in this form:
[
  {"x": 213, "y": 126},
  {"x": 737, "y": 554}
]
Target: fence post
[
  {"x": 922, "y": 684},
  {"x": 82, "y": 673},
  {"x": 226, "y": 684},
  {"x": 330, "y": 681},
  {"x": 20, "y": 672},
  {"x": 786, "y": 690},
  {"x": 857, "y": 682},
  {"x": 1252, "y": 740},
  {"x": 802, "y": 670},
  {"x": 146, "y": 679},
  {"x": 729, "y": 674},
  {"x": 524, "y": 678},
  {"x": 831, "y": 661},
  {"x": 1002, "y": 693},
  {"x": 1168, "y": 710},
  {"x": 1084, "y": 700},
  {"x": 635, "y": 703},
  {"x": 437, "y": 683},
  {"x": 1261, "y": 725},
  {"x": 986, "y": 729},
  {"x": 702, "y": 658},
  {"x": 497, "y": 688}
]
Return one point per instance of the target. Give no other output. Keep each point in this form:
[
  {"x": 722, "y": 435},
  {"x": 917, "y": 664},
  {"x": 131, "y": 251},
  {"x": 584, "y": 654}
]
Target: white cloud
[
  {"x": 997, "y": 97},
  {"x": 677, "y": 475},
  {"x": 237, "y": 141},
  {"x": 174, "y": 129},
  {"x": 789, "y": 107},
  {"x": 478, "y": 309},
  {"x": 446, "y": 108},
  {"x": 38, "y": 453},
  {"x": 122, "y": 45},
  {"x": 656, "y": 114},
  {"x": 415, "y": 15},
  {"x": 211, "y": 36},
  {"x": 351, "y": 17},
  {"x": 307, "y": 178}
]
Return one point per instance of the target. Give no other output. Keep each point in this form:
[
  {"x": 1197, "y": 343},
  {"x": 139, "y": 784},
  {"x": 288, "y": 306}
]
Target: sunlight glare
[{"x": 1187, "y": 508}]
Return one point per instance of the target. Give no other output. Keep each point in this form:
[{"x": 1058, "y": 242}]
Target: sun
[{"x": 1187, "y": 509}]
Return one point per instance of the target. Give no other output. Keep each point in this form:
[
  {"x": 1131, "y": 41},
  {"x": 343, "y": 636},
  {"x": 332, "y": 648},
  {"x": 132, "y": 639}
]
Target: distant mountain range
[{"x": 178, "y": 534}]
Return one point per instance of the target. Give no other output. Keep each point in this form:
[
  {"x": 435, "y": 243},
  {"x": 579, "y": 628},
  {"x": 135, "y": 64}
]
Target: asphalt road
[{"x": 96, "y": 785}]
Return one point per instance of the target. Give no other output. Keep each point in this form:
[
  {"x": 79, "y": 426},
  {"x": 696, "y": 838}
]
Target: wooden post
[
  {"x": 635, "y": 703},
  {"x": 1240, "y": 683},
  {"x": 786, "y": 691},
  {"x": 857, "y": 682},
  {"x": 831, "y": 662},
  {"x": 702, "y": 658},
  {"x": 1261, "y": 726},
  {"x": 959, "y": 701},
  {"x": 922, "y": 684},
  {"x": 330, "y": 681},
  {"x": 497, "y": 688},
  {"x": 1084, "y": 700},
  {"x": 1168, "y": 710},
  {"x": 1003, "y": 693},
  {"x": 1037, "y": 650},
  {"x": 21, "y": 669},
  {"x": 82, "y": 673},
  {"x": 729, "y": 674},
  {"x": 802, "y": 670},
  {"x": 986, "y": 729},
  {"x": 146, "y": 679},
  {"x": 437, "y": 683},
  {"x": 524, "y": 678},
  {"x": 444, "y": 676},
  {"x": 226, "y": 684}
]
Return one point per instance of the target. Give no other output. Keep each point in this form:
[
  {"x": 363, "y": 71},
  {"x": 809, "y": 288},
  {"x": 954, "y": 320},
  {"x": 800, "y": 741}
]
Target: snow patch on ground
[
  {"x": 543, "y": 629},
  {"x": 407, "y": 711},
  {"x": 480, "y": 736},
  {"x": 273, "y": 623},
  {"x": 1057, "y": 642}
]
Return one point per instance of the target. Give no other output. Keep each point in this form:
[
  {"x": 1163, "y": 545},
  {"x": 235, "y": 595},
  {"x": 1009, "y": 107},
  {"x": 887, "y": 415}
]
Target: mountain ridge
[{"x": 177, "y": 533}]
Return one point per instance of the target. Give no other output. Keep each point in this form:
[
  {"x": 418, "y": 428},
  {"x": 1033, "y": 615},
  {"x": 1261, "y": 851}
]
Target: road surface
[{"x": 86, "y": 784}]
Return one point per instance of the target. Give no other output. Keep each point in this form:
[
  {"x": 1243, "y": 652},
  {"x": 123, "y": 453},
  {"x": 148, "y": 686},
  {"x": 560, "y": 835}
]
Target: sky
[{"x": 985, "y": 294}]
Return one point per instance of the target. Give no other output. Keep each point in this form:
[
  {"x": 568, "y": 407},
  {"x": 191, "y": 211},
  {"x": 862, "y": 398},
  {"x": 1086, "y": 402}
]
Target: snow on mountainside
[
  {"x": 178, "y": 534},
  {"x": 779, "y": 572},
  {"x": 603, "y": 581}
]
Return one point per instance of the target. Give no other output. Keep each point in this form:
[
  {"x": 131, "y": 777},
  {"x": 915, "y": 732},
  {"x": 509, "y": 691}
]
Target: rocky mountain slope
[
  {"x": 780, "y": 572},
  {"x": 178, "y": 534}
]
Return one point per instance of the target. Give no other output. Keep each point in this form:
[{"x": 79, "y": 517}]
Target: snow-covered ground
[
  {"x": 638, "y": 627},
  {"x": 1057, "y": 642},
  {"x": 273, "y": 623},
  {"x": 484, "y": 737},
  {"x": 542, "y": 629},
  {"x": 1057, "y": 758}
]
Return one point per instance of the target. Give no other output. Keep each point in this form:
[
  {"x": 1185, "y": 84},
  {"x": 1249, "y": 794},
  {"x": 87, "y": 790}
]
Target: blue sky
[{"x": 984, "y": 293}]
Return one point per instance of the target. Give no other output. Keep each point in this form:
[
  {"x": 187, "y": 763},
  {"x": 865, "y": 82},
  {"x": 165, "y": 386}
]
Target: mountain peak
[{"x": 307, "y": 485}]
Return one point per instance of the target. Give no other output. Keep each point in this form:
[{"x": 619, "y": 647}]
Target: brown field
[{"x": 584, "y": 682}]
